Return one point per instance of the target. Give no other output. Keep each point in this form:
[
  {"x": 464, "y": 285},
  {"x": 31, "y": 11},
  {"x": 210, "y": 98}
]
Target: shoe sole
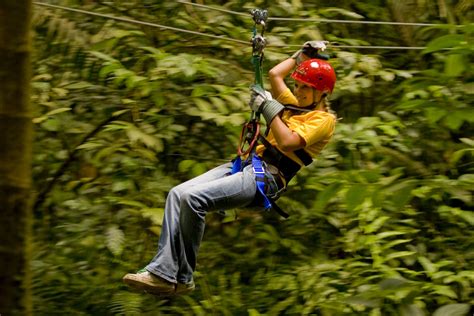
[
  {"x": 184, "y": 291},
  {"x": 148, "y": 288}
]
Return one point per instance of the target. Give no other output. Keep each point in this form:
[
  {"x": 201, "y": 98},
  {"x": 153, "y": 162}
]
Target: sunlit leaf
[
  {"x": 78, "y": 85},
  {"x": 427, "y": 265},
  {"x": 453, "y": 310},
  {"x": 356, "y": 195},
  {"x": 376, "y": 225},
  {"x": 399, "y": 254},
  {"x": 115, "y": 240},
  {"x": 444, "y": 42},
  {"x": 455, "y": 65},
  {"x": 411, "y": 310}
]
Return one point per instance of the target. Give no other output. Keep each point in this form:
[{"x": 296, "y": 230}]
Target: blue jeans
[{"x": 185, "y": 210}]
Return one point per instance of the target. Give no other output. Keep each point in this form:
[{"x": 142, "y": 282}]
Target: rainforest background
[{"x": 380, "y": 224}]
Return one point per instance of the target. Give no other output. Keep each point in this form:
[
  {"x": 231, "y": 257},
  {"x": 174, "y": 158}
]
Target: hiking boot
[{"x": 150, "y": 283}]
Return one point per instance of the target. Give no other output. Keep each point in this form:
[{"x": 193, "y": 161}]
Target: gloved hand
[
  {"x": 311, "y": 49},
  {"x": 261, "y": 101},
  {"x": 258, "y": 98}
]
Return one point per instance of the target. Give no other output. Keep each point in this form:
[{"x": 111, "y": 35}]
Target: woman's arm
[
  {"x": 287, "y": 139},
  {"x": 277, "y": 75}
]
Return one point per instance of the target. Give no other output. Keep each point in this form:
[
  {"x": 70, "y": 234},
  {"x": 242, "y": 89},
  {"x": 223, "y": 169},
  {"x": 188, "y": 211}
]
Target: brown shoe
[
  {"x": 150, "y": 283},
  {"x": 183, "y": 289}
]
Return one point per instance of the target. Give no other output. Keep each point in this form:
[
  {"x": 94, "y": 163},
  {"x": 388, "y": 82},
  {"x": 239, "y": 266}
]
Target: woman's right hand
[{"x": 312, "y": 49}]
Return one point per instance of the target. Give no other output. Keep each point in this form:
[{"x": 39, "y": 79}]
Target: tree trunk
[
  {"x": 15, "y": 157},
  {"x": 404, "y": 11}
]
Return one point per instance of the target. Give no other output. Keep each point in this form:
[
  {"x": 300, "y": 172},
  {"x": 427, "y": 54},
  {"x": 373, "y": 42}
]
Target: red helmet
[{"x": 316, "y": 73}]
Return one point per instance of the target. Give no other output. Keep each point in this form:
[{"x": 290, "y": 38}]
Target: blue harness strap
[
  {"x": 259, "y": 172},
  {"x": 236, "y": 165}
]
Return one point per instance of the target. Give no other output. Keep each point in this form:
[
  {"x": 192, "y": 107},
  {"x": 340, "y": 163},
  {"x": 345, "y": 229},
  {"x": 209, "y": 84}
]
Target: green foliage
[{"x": 381, "y": 224}]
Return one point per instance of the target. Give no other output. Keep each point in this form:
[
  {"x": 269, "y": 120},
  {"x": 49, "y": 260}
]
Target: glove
[
  {"x": 258, "y": 98},
  {"x": 261, "y": 101},
  {"x": 311, "y": 49}
]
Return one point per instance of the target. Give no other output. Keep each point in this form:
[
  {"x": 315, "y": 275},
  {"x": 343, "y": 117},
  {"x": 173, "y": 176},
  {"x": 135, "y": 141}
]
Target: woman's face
[{"x": 304, "y": 93}]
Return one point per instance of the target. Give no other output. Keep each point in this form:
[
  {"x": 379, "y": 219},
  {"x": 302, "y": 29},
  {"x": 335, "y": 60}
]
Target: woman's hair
[{"x": 327, "y": 104}]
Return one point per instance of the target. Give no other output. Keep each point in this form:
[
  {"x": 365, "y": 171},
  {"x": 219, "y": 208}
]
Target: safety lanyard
[{"x": 251, "y": 129}]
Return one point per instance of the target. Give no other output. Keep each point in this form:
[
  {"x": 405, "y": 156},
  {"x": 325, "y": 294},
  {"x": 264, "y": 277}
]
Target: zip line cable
[
  {"x": 353, "y": 22},
  {"x": 139, "y": 22},
  {"x": 334, "y": 45},
  {"x": 311, "y": 19},
  {"x": 214, "y": 8},
  {"x": 131, "y": 21}
]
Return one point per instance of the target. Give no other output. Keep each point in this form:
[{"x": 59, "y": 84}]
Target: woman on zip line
[{"x": 300, "y": 125}]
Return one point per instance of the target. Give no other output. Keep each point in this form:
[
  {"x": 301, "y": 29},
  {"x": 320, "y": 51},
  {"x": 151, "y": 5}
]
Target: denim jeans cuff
[{"x": 160, "y": 274}]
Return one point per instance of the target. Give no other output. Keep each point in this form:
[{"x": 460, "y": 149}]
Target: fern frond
[
  {"x": 126, "y": 303},
  {"x": 59, "y": 29},
  {"x": 115, "y": 240}
]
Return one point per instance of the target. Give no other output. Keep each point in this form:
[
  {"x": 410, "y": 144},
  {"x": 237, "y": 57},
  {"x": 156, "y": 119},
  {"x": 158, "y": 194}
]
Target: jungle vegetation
[{"x": 380, "y": 224}]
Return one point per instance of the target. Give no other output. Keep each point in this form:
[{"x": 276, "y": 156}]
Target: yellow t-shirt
[{"x": 315, "y": 127}]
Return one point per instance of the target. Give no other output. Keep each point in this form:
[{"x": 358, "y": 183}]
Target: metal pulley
[
  {"x": 258, "y": 44},
  {"x": 260, "y": 17},
  {"x": 251, "y": 129}
]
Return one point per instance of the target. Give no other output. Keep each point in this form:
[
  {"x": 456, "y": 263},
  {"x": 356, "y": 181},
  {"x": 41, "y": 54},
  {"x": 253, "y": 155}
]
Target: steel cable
[
  {"x": 132, "y": 21},
  {"x": 127, "y": 20},
  {"x": 318, "y": 20}
]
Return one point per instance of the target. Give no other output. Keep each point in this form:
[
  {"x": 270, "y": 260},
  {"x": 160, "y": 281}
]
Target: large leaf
[
  {"x": 455, "y": 65},
  {"x": 453, "y": 310},
  {"x": 444, "y": 42}
]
